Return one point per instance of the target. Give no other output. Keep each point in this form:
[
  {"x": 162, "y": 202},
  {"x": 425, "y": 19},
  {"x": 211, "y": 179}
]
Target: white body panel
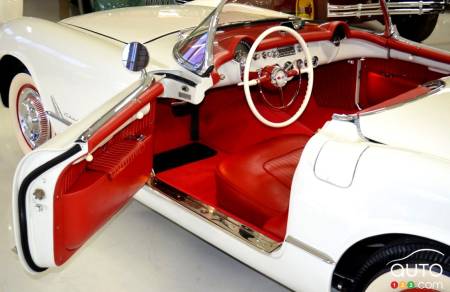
[
  {"x": 420, "y": 125},
  {"x": 80, "y": 68},
  {"x": 10, "y": 9},
  {"x": 141, "y": 24}
]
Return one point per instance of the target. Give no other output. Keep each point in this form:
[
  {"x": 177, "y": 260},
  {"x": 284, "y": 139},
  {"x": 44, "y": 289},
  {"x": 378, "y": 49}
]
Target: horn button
[{"x": 279, "y": 77}]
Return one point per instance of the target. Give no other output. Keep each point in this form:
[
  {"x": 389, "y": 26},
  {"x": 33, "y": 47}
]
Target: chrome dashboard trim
[{"x": 232, "y": 226}]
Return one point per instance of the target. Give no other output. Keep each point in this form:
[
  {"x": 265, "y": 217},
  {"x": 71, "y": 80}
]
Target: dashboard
[{"x": 287, "y": 57}]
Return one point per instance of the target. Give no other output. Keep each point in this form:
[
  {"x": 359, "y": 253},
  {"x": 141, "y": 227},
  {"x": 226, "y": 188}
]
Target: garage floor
[{"x": 138, "y": 250}]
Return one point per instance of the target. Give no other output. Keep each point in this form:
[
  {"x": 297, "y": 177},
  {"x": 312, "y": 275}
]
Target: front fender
[
  {"x": 392, "y": 191},
  {"x": 79, "y": 70}
]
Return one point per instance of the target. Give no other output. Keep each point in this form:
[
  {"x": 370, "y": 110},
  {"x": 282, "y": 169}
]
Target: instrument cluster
[{"x": 285, "y": 57}]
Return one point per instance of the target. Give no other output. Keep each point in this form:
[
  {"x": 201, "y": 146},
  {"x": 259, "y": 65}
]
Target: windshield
[{"x": 195, "y": 50}]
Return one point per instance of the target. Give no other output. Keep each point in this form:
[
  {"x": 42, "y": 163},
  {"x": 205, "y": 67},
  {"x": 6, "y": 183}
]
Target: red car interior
[
  {"x": 250, "y": 176},
  {"x": 218, "y": 152}
]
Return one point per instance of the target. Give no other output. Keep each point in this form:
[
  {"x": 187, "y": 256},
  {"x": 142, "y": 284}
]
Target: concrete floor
[{"x": 138, "y": 250}]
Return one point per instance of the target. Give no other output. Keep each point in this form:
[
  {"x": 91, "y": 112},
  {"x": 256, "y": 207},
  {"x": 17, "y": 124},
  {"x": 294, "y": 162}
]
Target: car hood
[
  {"x": 140, "y": 24},
  {"x": 421, "y": 125}
]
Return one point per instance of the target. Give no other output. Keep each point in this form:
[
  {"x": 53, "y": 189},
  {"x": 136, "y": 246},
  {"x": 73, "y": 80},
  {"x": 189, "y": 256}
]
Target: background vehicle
[{"x": 415, "y": 20}]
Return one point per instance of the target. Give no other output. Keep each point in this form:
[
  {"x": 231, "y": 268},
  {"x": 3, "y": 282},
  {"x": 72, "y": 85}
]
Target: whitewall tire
[{"x": 30, "y": 122}]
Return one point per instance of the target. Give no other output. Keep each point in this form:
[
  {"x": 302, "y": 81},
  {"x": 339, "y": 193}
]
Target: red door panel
[{"x": 87, "y": 194}]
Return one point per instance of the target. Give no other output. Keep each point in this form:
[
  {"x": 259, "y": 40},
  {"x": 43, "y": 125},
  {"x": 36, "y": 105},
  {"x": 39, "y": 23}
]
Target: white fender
[
  {"x": 392, "y": 191},
  {"x": 10, "y": 9},
  {"x": 79, "y": 71}
]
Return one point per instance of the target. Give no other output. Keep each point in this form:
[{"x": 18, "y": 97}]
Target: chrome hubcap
[{"x": 33, "y": 121}]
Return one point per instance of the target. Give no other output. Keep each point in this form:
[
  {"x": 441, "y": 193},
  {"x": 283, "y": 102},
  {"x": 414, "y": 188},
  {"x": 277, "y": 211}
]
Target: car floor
[{"x": 138, "y": 250}]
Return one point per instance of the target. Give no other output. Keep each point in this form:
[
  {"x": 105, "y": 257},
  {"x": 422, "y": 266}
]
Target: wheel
[
  {"x": 30, "y": 121},
  {"x": 415, "y": 27},
  {"x": 277, "y": 77},
  {"x": 407, "y": 266}
]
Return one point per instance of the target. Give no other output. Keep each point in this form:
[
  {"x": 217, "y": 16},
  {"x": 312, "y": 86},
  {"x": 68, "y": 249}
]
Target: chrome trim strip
[
  {"x": 210, "y": 214},
  {"x": 358, "y": 82},
  {"x": 311, "y": 250},
  {"x": 58, "y": 118},
  {"x": 395, "y": 8},
  {"x": 147, "y": 80},
  {"x": 434, "y": 87}
]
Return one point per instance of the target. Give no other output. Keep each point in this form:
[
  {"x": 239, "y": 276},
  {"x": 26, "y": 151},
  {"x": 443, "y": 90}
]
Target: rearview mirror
[{"x": 135, "y": 57}]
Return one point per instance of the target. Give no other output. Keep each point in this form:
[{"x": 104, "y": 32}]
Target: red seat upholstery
[{"x": 255, "y": 184}]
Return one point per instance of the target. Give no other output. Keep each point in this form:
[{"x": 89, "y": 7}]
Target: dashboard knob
[
  {"x": 256, "y": 56},
  {"x": 315, "y": 61},
  {"x": 264, "y": 55}
]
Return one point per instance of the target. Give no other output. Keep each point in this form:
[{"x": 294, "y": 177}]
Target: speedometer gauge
[{"x": 241, "y": 52}]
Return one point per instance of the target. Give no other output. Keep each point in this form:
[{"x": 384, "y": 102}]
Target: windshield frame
[
  {"x": 208, "y": 62},
  {"x": 207, "y": 65}
]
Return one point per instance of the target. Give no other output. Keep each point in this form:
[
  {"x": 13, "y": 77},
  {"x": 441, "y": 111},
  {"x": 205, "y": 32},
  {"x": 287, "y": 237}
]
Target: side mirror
[{"x": 135, "y": 57}]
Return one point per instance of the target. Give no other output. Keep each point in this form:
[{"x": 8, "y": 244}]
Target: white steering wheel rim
[{"x": 308, "y": 70}]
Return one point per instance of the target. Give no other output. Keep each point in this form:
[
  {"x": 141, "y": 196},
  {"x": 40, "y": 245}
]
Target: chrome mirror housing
[{"x": 135, "y": 57}]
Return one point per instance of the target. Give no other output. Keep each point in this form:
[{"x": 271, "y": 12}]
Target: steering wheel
[{"x": 278, "y": 77}]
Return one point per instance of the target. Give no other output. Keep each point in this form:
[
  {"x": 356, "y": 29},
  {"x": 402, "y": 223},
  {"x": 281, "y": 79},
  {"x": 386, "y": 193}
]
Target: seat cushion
[{"x": 255, "y": 184}]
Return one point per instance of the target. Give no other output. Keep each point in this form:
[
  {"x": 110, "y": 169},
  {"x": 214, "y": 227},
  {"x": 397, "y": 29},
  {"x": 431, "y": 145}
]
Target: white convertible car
[{"x": 318, "y": 154}]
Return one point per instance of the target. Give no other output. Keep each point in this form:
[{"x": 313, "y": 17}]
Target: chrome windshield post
[{"x": 212, "y": 22}]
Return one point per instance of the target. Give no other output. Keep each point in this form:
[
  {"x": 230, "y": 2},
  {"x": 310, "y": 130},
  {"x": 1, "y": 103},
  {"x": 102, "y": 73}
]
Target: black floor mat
[{"x": 181, "y": 156}]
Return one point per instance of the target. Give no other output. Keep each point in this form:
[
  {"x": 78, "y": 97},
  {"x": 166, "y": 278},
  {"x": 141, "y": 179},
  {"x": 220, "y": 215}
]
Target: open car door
[{"x": 65, "y": 190}]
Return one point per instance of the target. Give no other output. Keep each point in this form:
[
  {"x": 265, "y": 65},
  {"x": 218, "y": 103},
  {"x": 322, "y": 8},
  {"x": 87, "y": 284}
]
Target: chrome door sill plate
[{"x": 210, "y": 214}]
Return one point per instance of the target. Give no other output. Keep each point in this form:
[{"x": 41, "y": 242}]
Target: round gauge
[{"x": 241, "y": 52}]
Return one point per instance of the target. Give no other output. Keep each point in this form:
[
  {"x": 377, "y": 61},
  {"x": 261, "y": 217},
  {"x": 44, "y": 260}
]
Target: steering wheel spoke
[{"x": 283, "y": 104}]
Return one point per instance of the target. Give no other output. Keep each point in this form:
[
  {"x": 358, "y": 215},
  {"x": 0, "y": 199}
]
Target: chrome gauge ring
[{"x": 33, "y": 121}]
